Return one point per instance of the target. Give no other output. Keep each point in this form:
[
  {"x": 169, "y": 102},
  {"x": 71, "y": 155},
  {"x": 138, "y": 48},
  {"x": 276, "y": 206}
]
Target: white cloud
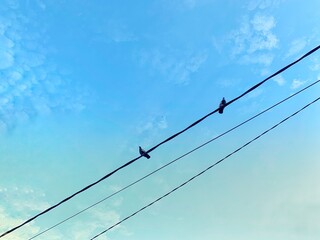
[
  {"x": 264, "y": 59},
  {"x": 162, "y": 124},
  {"x": 315, "y": 65},
  {"x": 117, "y": 202},
  {"x": 150, "y": 128},
  {"x": 24, "y": 199},
  {"x": 6, "y": 55},
  {"x": 8, "y": 222},
  {"x": 29, "y": 85},
  {"x": 262, "y": 4},
  {"x": 107, "y": 218},
  {"x": 297, "y": 83},
  {"x": 6, "y": 60},
  {"x": 97, "y": 221},
  {"x": 176, "y": 67},
  {"x": 154, "y": 123},
  {"x": 254, "y": 38},
  {"x": 17, "y": 204},
  {"x": 264, "y": 39},
  {"x": 279, "y": 80},
  {"x": 296, "y": 46},
  {"x": 263, "y": 23},
  {"x": 255, "y": 94}
]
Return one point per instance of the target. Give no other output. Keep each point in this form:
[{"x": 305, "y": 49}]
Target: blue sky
[{"x": 84, "y": 83}]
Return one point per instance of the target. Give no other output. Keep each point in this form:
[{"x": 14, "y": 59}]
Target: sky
[{"x": 85, "y": 82}]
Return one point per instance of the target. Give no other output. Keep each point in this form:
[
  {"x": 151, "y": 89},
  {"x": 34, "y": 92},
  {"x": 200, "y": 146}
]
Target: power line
[
  {"x": 158, "y": 145},
  {"x": 68, "y": 198},
  {"x": 175, "y": 160},
  {"x": 237, "y": 98},
  {"x": 205, "y": 170}
]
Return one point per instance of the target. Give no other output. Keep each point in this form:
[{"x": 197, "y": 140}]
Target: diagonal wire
[
  {"x": 205, "y": 170},
  {"x": 156, "y": 146},
  {"x": 175, "y": 160},
  {"x": 237, "y": 98}
]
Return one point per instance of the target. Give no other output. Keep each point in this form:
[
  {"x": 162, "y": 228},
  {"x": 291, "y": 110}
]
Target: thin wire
[
  {"x": 69, "y": 197},
  {"x": 205, "y": 170},
  {"x": 173, "y": 161},
  {"x": 237, "y": 98},
  {"x": 156, "y": 146}
]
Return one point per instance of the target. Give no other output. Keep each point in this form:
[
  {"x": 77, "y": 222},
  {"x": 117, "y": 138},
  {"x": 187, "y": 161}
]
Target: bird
[
  {"x": 143, "y": 153},
  {"x": 222, "y": 105}
]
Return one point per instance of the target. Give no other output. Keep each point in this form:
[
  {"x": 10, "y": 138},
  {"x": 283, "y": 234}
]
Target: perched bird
[
  {"x": 222, "y": 105},
  {"x": 143, "y": 153}
]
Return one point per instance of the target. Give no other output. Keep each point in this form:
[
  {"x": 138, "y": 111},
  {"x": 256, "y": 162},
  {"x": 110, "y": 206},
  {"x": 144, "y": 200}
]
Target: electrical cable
[
  {"x": 237, "y": 98},
  {"x": 205, "y": 170},
  {"x": 156, "y": 146},
  {"x": 175, "y": 160}
]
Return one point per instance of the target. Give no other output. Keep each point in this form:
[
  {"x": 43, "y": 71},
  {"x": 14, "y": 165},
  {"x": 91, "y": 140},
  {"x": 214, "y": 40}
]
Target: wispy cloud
[
  {"x": 176, "y": 67},
  {"x": 6, "y": 51},
  {"x": 150, "y": 128},
  {"x": 264, "y": 59},
  {"x": 7, "y": 222},
  {"x": 255, "y": 94},
  {"x": 279, "y": 80},
  {"x": 296, "y": 47},
  {"x": 154, "y": 123},
  {"x": 254, "y": 39},
  {"x": 263, "y": 38},
  {"x": 96, "y": 222},
  {"x": 315, "y": 64},
  {"x": 255, "y": 34},
  {"x": 296, "y": 83},
  {"x": 262, "y": 4},
  {"x": 30, "y": 85},
  {"x": 26, "y": 201},
  {"x": 22, "y": 202}
]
